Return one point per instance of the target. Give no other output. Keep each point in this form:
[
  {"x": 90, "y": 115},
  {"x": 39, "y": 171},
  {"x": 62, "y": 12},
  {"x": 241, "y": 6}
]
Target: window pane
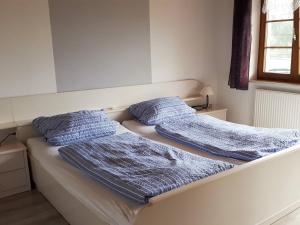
[
  {"x": 278, "y": 60},
  {"x": 279, "y": 9},
  {"x": 279, "y": 16},
  {"x": 280, "y": 34}
]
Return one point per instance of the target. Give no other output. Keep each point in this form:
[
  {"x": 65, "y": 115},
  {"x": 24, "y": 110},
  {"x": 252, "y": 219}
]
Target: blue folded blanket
[
  {"x": 227, "y": 139},
  {"x": 137, "y": 167}
]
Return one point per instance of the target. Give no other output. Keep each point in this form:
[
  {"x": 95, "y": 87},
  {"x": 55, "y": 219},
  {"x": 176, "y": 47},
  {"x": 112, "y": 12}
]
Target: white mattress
[
  {"x": 112, "y": 207},
  {"x": 149, "y": 132}
]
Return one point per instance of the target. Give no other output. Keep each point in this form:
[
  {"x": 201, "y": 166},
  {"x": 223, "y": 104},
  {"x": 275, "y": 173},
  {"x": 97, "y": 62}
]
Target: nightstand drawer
[
  {"x": 13, "y": 179},
  {"x": 12, "y": 161}
]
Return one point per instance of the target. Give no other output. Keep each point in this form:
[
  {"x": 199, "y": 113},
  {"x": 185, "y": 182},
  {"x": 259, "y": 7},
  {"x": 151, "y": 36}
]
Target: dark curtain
[{"x": 241, "y": 45}]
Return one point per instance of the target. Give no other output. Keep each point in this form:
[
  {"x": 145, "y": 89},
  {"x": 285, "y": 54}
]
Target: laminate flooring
[{"x": 28, "y": 208}]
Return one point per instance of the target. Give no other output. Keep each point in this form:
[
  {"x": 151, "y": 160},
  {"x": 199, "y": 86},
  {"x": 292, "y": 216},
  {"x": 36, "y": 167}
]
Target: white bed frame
[{"x": 259, "y": 192}]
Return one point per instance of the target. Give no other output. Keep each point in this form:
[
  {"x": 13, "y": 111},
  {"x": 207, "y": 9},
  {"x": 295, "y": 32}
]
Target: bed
[
  {"x": 231, "y": 195},
  {"x": 107, "y": 206},
  {"x": 151, "y": 133},
  {"x": 249, "y": 194}
]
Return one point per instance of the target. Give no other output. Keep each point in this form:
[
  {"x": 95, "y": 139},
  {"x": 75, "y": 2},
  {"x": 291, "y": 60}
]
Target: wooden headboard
[{"x": 19, "y": 111}]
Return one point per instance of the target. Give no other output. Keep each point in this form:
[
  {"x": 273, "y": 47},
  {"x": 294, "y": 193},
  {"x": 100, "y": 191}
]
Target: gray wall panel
[{"x": 100, "y": 43}]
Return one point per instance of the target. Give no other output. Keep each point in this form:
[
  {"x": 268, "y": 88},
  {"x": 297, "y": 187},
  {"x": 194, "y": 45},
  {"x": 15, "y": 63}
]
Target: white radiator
[{"x": 276, "y": 109}]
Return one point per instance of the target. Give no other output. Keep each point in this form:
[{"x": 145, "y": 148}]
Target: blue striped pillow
[
  {"x": 155, "y": 111},
  {"x": 72, "y": 127}
]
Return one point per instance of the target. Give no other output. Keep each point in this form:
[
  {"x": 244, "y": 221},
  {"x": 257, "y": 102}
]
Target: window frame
[{"x": 294, "y": 76}]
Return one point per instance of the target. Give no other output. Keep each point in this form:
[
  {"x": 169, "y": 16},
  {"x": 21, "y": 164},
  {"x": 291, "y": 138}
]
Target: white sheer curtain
[{"x": 280, "y": 6}]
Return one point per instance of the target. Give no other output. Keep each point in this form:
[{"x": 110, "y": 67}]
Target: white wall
[
  {"x": 26, "y": 56},
  {"x": 182, "y": 46},
  {"x": 189, "y": 39}
]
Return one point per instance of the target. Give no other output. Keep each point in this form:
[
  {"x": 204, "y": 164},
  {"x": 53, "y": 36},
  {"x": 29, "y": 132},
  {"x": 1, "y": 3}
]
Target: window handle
[{"x": 295, "y": 36}]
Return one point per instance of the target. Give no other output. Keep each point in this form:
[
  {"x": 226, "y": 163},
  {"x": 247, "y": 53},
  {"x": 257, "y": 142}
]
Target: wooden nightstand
[
  {"x": 219, "y": 113},
  {"x": 14, "y": 172}
]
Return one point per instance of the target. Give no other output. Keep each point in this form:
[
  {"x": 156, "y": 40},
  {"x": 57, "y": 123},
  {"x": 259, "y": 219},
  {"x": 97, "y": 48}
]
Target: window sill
[{"x": 274, "y": 84}]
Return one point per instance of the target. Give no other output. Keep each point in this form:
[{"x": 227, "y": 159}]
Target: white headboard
[{"x": 18, "y": 111}]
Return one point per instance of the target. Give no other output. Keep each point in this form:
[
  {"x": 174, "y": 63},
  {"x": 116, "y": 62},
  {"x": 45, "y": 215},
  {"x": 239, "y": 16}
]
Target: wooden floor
[{"x": 31, "y": 208}]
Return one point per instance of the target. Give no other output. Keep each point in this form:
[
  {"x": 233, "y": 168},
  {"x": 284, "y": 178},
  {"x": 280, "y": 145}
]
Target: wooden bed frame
[{"x": 259, "y": 192}]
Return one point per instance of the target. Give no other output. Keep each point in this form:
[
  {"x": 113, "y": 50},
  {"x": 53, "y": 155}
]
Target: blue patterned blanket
[
  {"x": 227, "y": 139},
  {"x": 137, "y": 167}
]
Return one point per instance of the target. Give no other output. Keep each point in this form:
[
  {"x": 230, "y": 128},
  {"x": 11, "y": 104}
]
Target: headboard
[{"x": 20, "y": 111}]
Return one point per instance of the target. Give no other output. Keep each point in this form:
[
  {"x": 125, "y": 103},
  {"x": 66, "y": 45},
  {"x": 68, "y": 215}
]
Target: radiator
[{"x": 276, "y": 109}]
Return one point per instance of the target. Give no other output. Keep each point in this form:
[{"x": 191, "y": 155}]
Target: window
[{"x": 279, "y": 46}]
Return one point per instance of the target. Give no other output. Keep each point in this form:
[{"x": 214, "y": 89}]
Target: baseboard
[{"x": 281, "y": 213}]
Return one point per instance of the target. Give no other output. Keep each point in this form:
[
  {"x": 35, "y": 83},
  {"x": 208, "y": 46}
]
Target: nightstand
[
  {"x": 219, "y": 113},
  {"x": 14, "y": 172}
]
